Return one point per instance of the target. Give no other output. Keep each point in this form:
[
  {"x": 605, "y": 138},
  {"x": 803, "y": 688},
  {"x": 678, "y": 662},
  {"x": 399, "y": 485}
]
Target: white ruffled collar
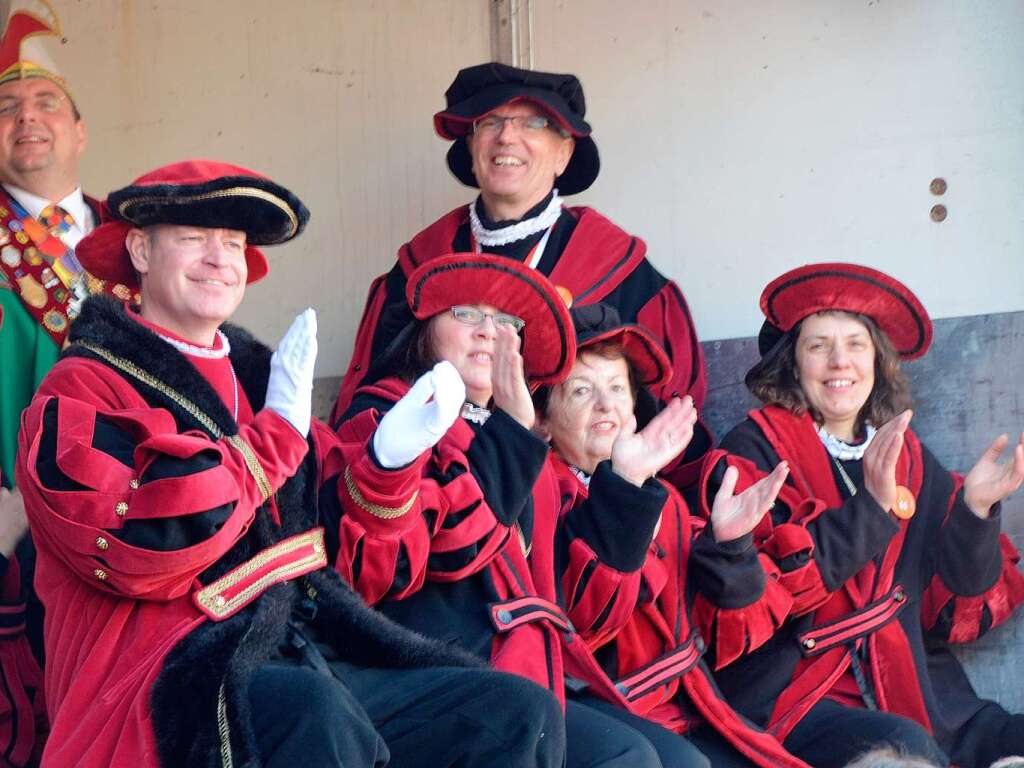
[
  {"x": 518, "y": 231},
  {"x": 843, "y": 451}
]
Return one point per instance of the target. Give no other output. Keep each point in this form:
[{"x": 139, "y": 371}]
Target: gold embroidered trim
[
  {"x": 259, "y": 194},
  {"x": 387, "y": 513},
  {"x": 211, "y": 596},
  {"x": 252, "y": 464},
  {"x": 248, "y": 456}
]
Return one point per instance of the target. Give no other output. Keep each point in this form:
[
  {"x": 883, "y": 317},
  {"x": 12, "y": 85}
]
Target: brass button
[
  {"x": 100, "y": 574},
  {"x": 133, "y": 484},
  {"x": 121, "y": 508},
  {"x": 102, "y": 544},
  {"x": 220, "y": 601},
  {"x": 809, "y": 643}
]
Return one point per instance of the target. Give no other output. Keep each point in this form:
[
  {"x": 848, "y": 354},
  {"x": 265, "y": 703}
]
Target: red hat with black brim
[
  {"x": 194, "y": 193},
  {"x": 477, "y": 91},
  {"x": 600, "y": 322},
  {"x": 549, "y": 343},
  {"x": 833, "y": 287}
]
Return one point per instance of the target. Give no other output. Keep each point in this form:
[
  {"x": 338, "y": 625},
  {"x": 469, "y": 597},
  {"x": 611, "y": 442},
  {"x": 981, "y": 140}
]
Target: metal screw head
[
  {"x": 938, "y": 213},
  {"x": 938, "y": 186}
]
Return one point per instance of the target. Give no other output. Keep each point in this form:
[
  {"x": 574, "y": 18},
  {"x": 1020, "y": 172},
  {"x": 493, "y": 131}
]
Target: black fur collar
[{"x": 104, "y": 322}]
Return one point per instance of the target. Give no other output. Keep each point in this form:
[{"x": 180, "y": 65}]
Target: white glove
[
  {"x": 413, "y": 424},
  {"x": 290, "y": 387}
]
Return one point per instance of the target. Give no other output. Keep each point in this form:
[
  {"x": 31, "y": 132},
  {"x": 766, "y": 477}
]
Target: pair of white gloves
[{"x": 412, "y": 426}]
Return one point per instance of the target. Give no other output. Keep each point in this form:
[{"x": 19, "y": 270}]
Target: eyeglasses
[
  {"x": 495, "y": 124},
  {"x": 474, "y": 316},
  {"x": 47, "y": 102}
]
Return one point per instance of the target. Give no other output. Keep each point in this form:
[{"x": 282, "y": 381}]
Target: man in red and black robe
[{"x": 520, "y": 137}]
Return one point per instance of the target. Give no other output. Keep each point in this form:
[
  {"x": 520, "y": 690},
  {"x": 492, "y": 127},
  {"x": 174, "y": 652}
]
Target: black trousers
[
  {"x": 353, "y": 717},
  {"x": 831, "y": 735},
  {"x": 671, "y": 749}
]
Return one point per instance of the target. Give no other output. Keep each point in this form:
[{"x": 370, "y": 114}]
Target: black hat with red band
[
  {"x": 832, "y": 287},
  {"x": 549, "y": 343},
  {"x": 196, "y": 193},
  {"x": 477, "y": 91},
  {"x": 596, "y": 323}
]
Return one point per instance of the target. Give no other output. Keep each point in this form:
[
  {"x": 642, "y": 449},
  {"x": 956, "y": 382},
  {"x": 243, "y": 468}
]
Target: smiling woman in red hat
[
  {"x": 520, "y": 136},
  {"x": 466, "y": 553},
  {"x": 878, "y": 544}
]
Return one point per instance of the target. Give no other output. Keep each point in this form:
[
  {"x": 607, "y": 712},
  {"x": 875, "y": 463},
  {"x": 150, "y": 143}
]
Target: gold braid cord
[
  {"x": 248, "y": 455},
  {"x": 388, "y": 513}
]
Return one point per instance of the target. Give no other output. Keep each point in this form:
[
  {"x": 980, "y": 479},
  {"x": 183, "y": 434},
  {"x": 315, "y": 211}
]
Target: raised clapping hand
[
  {"x": 13, "y": 522},
  {"x": 736, "y": 516},
  {"x": 508, "y": 382},
  {"x": 290, "y": 386},
  {"x": 637, "y": 456},
  {"x": 989, "y": 481},
  {"x": 880, "y": 460},
  {"x": 421, "y": 418}
]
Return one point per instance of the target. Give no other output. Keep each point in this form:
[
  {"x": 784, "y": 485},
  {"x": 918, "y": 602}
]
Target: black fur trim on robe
[{"x": 185, "y": 695}]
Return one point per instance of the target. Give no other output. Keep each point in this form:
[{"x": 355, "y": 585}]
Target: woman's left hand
[
  {"x": 989, "y": 482},
  {"x": 508, "y": 381},
  {"x": 637, "y": 456}
]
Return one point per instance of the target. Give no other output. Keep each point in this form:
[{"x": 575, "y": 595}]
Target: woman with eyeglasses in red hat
[
  {"x": 670, "y": 581},
  {"x": 878, "y": 544},
  {"x": 462, "y": 548}
]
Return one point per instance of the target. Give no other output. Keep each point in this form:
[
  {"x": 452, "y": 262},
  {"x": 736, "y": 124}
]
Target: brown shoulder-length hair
[{"x": 773, "y": 379}]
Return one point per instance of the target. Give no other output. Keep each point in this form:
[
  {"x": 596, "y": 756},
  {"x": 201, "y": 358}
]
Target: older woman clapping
[
  {"x": 639, "y": 578},
  {"x": 877, "y": 543}
]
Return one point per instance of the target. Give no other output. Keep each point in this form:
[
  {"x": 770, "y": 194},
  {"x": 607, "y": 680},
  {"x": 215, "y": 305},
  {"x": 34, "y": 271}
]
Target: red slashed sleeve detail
[
  {"x": 605, "y": 534},
  {"x": 976, "y": 585},
  {"x": 130, "y": 504},
  {"x": 375, "y": 515}
]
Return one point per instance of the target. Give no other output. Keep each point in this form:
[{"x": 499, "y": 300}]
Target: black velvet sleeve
[
  {"x": 968, "y": 557},
  {"x": 506, "y": 458},
  {"x": 729, "y": 573},
  {"x": 618, "y": 519}
]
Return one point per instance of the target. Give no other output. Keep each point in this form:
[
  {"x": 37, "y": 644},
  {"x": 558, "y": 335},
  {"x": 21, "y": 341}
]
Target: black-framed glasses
[{"x": 473, "y": 316}]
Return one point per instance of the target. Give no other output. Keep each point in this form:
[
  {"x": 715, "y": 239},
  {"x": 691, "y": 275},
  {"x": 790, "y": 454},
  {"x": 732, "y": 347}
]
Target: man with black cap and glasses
[
  {"x": 520, "y": 137},
  {"x": 170, "y": 469}
]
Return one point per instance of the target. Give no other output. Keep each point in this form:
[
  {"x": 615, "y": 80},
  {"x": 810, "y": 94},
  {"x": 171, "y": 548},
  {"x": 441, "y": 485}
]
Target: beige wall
[
  {"x": 333, "y": 98},
  {"x": 745, "y": 138},
  {"x": 739, "y": 138}
]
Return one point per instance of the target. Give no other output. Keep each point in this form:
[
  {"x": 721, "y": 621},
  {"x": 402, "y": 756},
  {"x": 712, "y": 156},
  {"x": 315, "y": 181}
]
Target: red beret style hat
[
  {"x": 197, "y": 193},
  {"x": 813, "y": 288},
  {"x": 481, "y": 89},
  {"x": 600, "y": 322},
  {"x": 549, "y": 343}
]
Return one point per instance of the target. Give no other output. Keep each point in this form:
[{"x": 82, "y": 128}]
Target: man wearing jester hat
[{"x": 43, "y": 213}]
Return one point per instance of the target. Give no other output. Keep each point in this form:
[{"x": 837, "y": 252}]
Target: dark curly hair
[{"x": 773, "y": 379}]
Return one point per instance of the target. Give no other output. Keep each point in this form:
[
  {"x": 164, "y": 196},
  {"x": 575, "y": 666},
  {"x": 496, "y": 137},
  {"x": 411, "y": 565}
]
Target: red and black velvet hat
[
  {"x": 197, "y": 193},
  {"x": 549, "y": 343},
  {"x": 600, "y": 322},
  {"x": 802, "y": 292},
  {"x": 479, "y": 90}
]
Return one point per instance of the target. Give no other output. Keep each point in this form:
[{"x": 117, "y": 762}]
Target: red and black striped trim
[
  {"x": 662, "y": 670},
  {"x": 853, "y": 626},
  {"x": 509, "y": 614}
]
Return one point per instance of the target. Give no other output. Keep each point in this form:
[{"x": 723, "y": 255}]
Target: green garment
[{"x": 27, "y": 353}]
